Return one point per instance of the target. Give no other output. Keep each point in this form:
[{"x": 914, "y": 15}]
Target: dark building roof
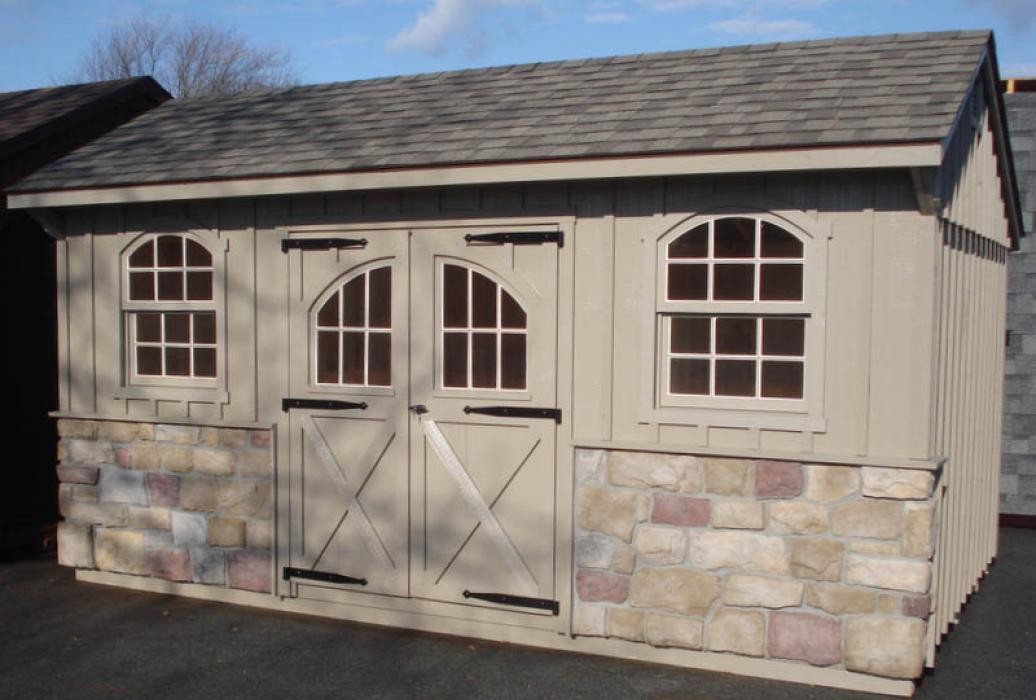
[
  {"x": 1021, "y": 119},
  {"x": 38, "y": 126},
  {"x": 862, "y": 90}
]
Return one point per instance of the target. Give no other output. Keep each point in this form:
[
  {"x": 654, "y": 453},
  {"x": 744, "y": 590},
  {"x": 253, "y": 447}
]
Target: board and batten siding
[{"x": 878, "y": 382}]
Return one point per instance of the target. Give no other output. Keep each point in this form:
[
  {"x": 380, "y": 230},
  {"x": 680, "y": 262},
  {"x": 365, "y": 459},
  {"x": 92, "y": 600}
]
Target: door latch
[{"x": 419, "y": 409}]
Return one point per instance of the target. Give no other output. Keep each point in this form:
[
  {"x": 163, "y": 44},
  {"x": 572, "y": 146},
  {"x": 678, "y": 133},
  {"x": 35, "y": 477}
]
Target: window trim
[{"x": 656, "y": 404}]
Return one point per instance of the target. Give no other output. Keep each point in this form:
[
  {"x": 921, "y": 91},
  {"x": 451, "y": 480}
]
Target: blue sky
[{"x": 41, "y": 40}]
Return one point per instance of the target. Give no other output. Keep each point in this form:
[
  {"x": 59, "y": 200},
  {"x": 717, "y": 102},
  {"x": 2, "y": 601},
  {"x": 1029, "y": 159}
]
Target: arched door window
[{"x": 353, "y": 332}]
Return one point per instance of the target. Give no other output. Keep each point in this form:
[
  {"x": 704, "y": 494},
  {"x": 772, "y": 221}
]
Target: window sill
[{"x": 736, "y": 418}]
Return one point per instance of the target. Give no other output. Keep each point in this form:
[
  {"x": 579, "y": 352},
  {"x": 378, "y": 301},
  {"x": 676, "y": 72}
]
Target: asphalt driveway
[{"x": 63, "y": 639}]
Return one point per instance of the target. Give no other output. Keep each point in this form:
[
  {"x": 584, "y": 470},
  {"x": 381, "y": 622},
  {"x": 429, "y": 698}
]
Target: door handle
[{"x": 418, "y": 409}]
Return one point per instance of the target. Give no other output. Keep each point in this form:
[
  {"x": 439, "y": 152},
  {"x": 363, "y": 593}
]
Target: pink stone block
[
  {"x": 171, "y": 564},
  {"x": 680, "y": 510},
  {"x": 250, "y": 571},
  {"x": 77, "y": 474},
  {"x": 163, "y": 490},
  {"x": 778, "y": 479},
  {"x": 601, "y": 586},
  {"x": 917, "y": 606},
  {"x": 804, "y": 637},
  {"x": 260, "y": 438},
  {"x": 123, "y": 457}
]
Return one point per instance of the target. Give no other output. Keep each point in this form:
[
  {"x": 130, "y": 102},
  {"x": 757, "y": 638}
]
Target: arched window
[
  {"x": 172, "y": 318},
  {"x": 353, "y": 332}
]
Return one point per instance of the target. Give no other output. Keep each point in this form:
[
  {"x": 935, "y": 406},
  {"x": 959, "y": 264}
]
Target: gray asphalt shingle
[{"x": 860, "y": 90}]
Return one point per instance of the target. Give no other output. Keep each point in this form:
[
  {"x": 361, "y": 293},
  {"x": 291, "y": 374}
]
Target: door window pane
[
  {"x": 483, "y": 360},
  {"x": 455, "y": 359},
  {"x": 353, "y": 358},
  {"x": 512, "y": 315},
  {"x": 327, "y": 317},
  {"x": 353, "y": 306},
  {"x": 512, "y": 361},
  {"x": 379, "y": 352},
  {"x": 483, "y": 301},
  {"x": 381, "y": 297},
  {"x": 327, "y": 357},
  {"x": 455, "y": 296},
  {"x": 688, "y": 376}
]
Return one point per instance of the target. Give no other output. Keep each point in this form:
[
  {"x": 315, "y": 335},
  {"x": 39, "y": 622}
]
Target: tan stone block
[
  {"x": 75, "y": 545},
  {"x": 644, "y": 502},
  {"x": 146, "y": 456},
  {"x": 249, "y": 499},
  {"x": 110, "y": 514},
  {"x": 626, "y": 624},
  {"x": 825, "y": 484},
  {"x": 762, "y": 592},
  {"x": 209, "y": 437},
  {"x": 233, "y": 438},
  {"x": 737, "y": 631},
  {"x": 148, "y": 518},
  {"x": 742, "y": 515},
  {"x": 904, "y": 484},
  {"x": 798, "y": 518},
  {"x": 65, "y": 499},
  {"x": 660, "y": 545},
  {"x": 672, "y": 631},
  {"x": 91, "y": 451},
  {"x": 254, "y": 464},
  {"x": 840, "y": 600},
  {"x": 888, "y": 604},
  {"x": 748, "y": 551},
  {"x": 890, "y": 548},
  {"x": 226, "y": 532},
  {"x": 917, "y": 534},
  {"x": 678, "y": 590},
  {"x": 75, "y": 428},
  {"x": 62, "y": 452},
  {"x": 728, "y": 477},
  {"x": 213, "y": 460},
  {"x": 589, "y": 620},
  {"x": 624, "y": 559},
  {"x": 84, "y": 493},
  {"x": 817, "y": 558},
  {"x": 180, "y": 434},
  {"x": 259, "y": 534},
  {"x": 892, "y": 574},
  {"x": 654, "y": 470},
  {"x": 176, "y": 458},
  {"x": 199, "y": 494},
  {"x": 885, "y": 646},
  {"x": 876, "y": 519},
  {"x": 118, "y": 431},
  {"x": 121, "y": 551},
  {"x": 611, "y": 512}
]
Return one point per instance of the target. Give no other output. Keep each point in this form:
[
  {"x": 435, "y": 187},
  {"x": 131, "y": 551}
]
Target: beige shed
[{"x": 692, "y": 357}]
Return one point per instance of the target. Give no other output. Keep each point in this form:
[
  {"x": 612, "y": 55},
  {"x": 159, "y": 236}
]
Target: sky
[{"x": 41, "y": 41}]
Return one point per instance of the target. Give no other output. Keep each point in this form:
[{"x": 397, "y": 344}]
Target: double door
[{"x": 421, "y": 419}]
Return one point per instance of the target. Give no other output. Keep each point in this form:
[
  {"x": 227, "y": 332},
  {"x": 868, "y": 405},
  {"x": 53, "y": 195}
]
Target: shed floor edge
[{"x": 706, "y": 661}]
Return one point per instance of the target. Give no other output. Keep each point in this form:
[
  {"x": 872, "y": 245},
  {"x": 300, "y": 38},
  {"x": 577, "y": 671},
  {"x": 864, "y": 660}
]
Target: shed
[{"x": 690, "y": 357}]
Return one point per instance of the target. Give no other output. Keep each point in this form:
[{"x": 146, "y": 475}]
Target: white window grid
[
  {"x": 154, "y": 269},
  {"x": 499, "y": 330},
  {"x": 710, "y": 261},
  {"x": 713, "y": 355},
  {"x": 342, "y": 328},
  {"x": 162, "y": 343}
]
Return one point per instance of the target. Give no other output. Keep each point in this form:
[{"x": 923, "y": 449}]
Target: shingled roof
[{"x": 862, "y": 90}]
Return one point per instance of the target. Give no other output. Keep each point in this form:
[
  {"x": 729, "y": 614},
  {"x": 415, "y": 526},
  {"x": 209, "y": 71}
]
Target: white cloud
[
  {"x": 763, "y": 28},
  {"x": 614, "y": 17},
  {"x": 446, "y": 19}
]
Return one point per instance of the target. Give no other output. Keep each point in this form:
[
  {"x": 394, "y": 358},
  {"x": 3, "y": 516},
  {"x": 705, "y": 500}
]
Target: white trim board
[{"x": 833, "y": 158}]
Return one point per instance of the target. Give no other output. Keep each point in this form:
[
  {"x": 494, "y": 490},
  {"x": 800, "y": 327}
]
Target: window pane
[
  {"x": 455, "y": 359},
  {"x": 483, "y": 301},
  {"x": 149, "y": 360},
  {"x": 352, "y": 358},
  {"x": 734, "y": 238},
  {"x": 735, "y": 378},
  {"x": 353, "y": 293},
  {"x": 381, "y": 297},
  {"x": 205, "y": 362},
  {"x": 144, "y": 256},
  {"x": 688, "y": 281},
  {"x": 455, "y": 297},
  {"x": 149, "y": 328},
  {"x": 142, "y": 286},
  {"x": 170, "y": 251},
  {"x": 782, "y": 380},
  {"x": 735, "y": 336},
  {"x": 780, "y": 282},
  {"x": 197, "y": 256},
  {"x": 690, "y": 334},
  {"x": 327, "y": 357},
  {"x": 199, "y": 285},
  {"x": 204, "y": 328},
  {"x": 379, "y": 367},
  {"x": 693, "y": 244},
  {"x": 483, "y": 360},
  {"x": 784, "y": 336},
  {"x": 688, "y": 376},
  {"x": 733, "y": 283},
  {"x": 177, "y": 362},
  {"x": 177, "y": 328},
  {"x": 512, "y": 315},
  {"x": 778, "y": 243},
  {"x": 170, "y": 286},
  {"x": 328, "y": 314},
  {"x": 512, "y": 361}
]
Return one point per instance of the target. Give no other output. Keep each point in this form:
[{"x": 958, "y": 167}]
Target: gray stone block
[
  {"x": 123, "y": 486},
  {"x": 210, "y": 565},
  {"x": 189, "y": 528}
]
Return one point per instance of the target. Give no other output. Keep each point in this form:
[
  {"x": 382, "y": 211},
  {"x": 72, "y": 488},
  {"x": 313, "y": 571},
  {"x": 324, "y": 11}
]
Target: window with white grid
[{"x": 353, "y": 332}]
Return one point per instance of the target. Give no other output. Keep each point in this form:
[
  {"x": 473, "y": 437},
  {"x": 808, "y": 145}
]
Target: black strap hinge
[
  {"x": 517, "y": 600},
  {"x": 553, "y": 414},
  {"x": 325, "y": 576},
  {"x": 321, "y": 243},
  {"x": 518, "y": 237},
  {"x": 325, "y": 404}
]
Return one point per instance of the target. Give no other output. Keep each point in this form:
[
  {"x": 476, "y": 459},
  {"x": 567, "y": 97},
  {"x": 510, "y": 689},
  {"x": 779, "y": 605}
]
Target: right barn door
[{"x": 484, "y": 404}]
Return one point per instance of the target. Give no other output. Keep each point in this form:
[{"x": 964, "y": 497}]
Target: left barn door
[{"x": 347, "y": 412}]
